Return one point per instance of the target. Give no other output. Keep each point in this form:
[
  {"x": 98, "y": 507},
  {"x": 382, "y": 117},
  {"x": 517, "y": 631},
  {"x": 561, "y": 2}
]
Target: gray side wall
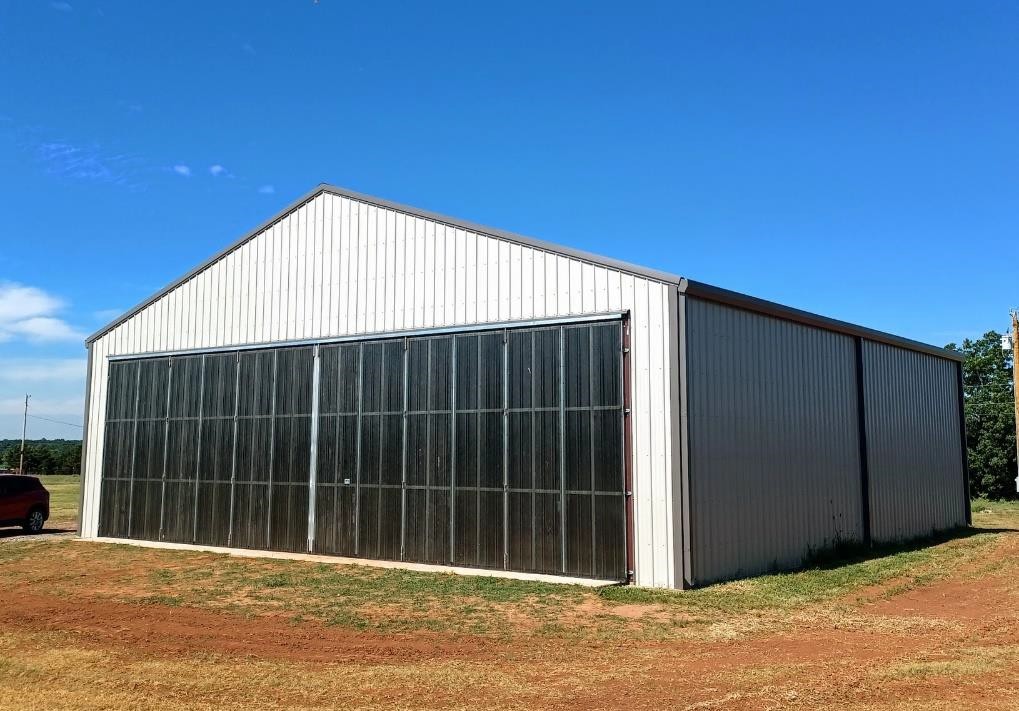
[
  {"x": 913, "y": 443},
  {"x": 774, "y": 453}
]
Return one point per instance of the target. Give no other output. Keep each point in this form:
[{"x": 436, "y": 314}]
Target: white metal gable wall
[{"x": 336, "y": 266}]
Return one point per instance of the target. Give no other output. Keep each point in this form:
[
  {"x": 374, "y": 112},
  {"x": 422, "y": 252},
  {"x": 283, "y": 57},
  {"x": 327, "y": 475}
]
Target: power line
[{"x": 59, "y": 422}]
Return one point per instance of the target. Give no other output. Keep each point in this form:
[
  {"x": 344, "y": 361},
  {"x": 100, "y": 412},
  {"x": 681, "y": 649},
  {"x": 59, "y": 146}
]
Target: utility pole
[
  {"x": 24, "y": 429},
  {"x": 1015, "y": 384}
]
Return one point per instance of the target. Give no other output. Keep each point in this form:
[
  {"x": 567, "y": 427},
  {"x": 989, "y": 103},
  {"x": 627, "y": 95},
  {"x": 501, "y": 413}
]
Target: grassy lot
[
  {"x": 114, "y": 626},
  {"x": 362, "y": 597},
  {"x": 387, "y": 600},
  {"x": 64, "y": 491},
  {"x": 994, "y": 513}
]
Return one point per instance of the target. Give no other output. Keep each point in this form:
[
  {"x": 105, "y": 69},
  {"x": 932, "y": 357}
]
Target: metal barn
[{"x": 364, "y": 379}]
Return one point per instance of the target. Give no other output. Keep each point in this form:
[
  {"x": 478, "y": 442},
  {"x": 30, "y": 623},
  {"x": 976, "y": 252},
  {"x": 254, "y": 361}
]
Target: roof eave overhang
[{"x": 716, "y": 294}]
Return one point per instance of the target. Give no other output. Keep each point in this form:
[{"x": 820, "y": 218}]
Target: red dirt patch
[
  {"x": 972, "y": 594},
  {"x": 964, "y": 600},
  {"x": 814, "y": 662},
  {"x": 161, "y": 630},
  {"x": 814, "y": 667}
]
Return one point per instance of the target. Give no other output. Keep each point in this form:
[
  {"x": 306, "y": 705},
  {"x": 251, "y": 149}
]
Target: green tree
[
  {"x": 43, "y": 456},
  {"x": 8, "y": 457},
  {"x": 990, "y": 416}
]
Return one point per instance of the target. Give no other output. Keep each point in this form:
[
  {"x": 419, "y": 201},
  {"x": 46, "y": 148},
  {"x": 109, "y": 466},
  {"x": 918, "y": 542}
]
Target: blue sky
[{"x": 855, "y": 159}]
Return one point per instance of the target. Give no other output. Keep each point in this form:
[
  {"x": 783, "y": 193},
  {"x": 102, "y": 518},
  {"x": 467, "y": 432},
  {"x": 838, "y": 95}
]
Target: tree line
[{"x": 42, "y": 456}]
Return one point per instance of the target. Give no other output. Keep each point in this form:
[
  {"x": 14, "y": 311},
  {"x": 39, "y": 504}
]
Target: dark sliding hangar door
[
  {"x": 495, "y": 449},
  {"x": 210, "y": 449}
]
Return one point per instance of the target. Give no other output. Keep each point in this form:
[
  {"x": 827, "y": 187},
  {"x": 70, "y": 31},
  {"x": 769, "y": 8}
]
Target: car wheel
[{"x": 35, "y": 521}]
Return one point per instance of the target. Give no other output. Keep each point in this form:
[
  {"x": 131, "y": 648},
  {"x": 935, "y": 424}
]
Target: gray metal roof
[
  {"x": 687, "y": 286},
  {"x": 701, "y": 290}
]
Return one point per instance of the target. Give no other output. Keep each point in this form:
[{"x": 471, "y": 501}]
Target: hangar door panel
[{"x": 497, "y": 449}]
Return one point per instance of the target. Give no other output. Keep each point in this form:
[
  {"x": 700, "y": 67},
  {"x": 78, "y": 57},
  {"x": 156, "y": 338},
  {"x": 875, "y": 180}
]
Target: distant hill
[{"x": 43, "y": 456}]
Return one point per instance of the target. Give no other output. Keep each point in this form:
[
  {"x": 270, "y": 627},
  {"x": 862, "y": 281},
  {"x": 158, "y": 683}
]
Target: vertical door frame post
[
  {"x": 562, "y": 449},
  {"x": 272, "y": 450},
  {"x": 404, "y": 419},
  {"x": 357, "y": 449},
  {"x": 134, "y": 446},
  {"x": 166, "y": 445},
  {"x": 452, "y": 458},
  {"x": 198, "y": 456},
  {"x": 313, "y": 453},
  {"x": 233, "y": 452},
  {"x": 505, "y": 449},
  {"x": 627, "y": 453}
]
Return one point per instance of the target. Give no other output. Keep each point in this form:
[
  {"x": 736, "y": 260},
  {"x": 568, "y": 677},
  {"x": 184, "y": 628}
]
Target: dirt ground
[{"x": 87, "y": 625}]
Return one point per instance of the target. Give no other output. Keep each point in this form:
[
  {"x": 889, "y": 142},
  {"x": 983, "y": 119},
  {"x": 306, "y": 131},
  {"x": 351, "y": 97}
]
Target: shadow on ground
[
  {"x": 12, "y": 533},
  {"x": 858, "y": 552}
]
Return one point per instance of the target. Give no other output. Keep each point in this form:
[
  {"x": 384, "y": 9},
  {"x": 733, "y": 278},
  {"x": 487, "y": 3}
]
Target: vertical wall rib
[{"x": 861, "y": 430}]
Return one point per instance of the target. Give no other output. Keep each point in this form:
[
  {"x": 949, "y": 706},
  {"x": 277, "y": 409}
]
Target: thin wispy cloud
[
  {"x": 267, "y": 190},
  {"x": 73, "y": 159},
  {"x": 131, "y": 107},
  {"x": 88, "y": 162},
  {"x": 95, "y": 163},
  {"x": 31, "y": 314},
  {"x": 248, "y": 49},
  {"x": 61, "y": 6}
]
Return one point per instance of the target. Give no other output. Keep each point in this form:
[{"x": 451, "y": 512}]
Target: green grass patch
[
  {"x": 277, "y": 580},
  {"x": 64, "y": 496},
  {"x": 360, "y": 597},
  {"x": 997, "y": 508},
  {"x": 14, "y": 551},
  {"x": 168, "y": 600},
  {"x": 395, "y": 600},
  {"x": 909, "y": 566}
]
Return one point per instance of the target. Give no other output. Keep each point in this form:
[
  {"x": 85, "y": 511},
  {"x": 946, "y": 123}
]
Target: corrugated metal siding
[
  {"x": 774, "y": 454},
  {"x": 913, "y": 443},
  {"x": 336, "y": 266}
]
